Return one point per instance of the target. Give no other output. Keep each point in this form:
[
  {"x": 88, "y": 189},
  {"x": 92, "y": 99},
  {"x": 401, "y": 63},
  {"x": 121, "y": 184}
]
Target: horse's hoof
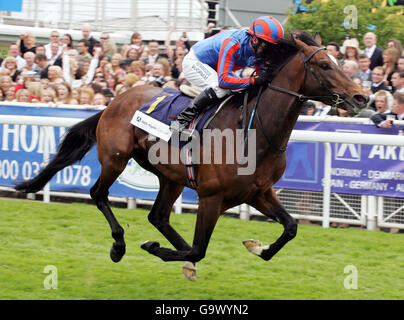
[
  {"x": 189, "y": 271},
  {"x": 116, "y": 253},
  {"x": 254, "y": 246},
  {"x": 149, "y": 246}
]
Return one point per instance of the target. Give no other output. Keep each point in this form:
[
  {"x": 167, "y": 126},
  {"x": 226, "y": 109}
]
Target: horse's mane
[{"x": 278, "y": 55}]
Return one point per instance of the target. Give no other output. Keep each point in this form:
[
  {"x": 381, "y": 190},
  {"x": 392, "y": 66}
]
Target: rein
[{"x": 307, "y": 66}]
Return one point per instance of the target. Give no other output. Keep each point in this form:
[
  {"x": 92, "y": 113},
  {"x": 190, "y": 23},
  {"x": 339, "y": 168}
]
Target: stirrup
[
  {"x": 185, "y": 133},
  {"x": 176, "y": 127}
]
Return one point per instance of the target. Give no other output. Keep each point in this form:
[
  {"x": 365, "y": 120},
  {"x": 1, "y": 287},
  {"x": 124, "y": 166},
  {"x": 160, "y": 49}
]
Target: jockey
[{"x": 210, "y": 64}]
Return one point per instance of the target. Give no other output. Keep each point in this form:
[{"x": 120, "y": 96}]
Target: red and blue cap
[{"x": 267, "y": 28}]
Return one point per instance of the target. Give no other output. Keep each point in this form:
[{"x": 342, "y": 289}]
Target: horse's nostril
[{"x": 360, "y": 98}]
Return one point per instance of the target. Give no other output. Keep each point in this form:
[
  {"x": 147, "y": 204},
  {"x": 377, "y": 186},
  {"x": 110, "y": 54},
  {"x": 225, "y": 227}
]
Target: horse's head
[{"x": 324, "y": 79}]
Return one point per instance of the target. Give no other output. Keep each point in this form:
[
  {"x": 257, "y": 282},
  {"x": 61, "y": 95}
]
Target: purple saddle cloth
[{"x": 168, "y": 104}]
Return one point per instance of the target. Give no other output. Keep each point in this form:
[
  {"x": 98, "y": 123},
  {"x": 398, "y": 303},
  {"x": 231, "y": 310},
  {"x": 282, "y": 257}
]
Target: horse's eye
[{"x": 324, "y": 65}]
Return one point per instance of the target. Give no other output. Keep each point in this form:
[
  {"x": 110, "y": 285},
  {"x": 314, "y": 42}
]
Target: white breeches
[{"x": 201, "y": 75}]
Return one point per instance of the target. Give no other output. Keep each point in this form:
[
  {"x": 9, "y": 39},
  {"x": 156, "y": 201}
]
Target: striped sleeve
[{"x": 227, "y": 56}]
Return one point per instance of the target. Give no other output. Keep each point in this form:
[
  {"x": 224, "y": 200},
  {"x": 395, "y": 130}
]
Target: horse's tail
[{"x": 77, "y": 142}]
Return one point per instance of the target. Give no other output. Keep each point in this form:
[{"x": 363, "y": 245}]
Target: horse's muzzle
[{"x": 360, "y": 99}]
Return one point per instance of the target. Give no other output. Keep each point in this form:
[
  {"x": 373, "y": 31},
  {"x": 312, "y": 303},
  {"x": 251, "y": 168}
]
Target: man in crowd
[
  {"x": 397, "y": 112},
  {"x": 104, "y": 37},
  {"x": 86, "y": 31},
  {"x": 154, "y": 55},
  {"x": 350, "y": 68},
  {"x": 54, "y": 38},
  {"x": 333, "y": 49},
  {"x": 31, "y": 66},
  {"x": 398, "y": 105},
  {"x": 397, "y": 79},
  {"x": 55, "y": 57},
  {"x": 14, "y": 52},
  {"x": 157, "y": 74},
  {"x": 375, "y": 54},
  {"x": 83, "y": 47},
  {"x": 43, "y": 63},
  {"x": 378, "y": 80},
  {"x": 365, "y": 74},
  {"x": 382, "y": 108}
]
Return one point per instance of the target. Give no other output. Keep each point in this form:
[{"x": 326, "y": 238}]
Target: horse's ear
[
  {"x": 317, "y": 38},
  {"x": 295, "y": 35},
  {"x": 301, "y": 45}
]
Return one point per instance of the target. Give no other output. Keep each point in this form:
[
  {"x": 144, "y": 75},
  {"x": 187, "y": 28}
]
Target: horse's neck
[{"x": 283, "y": 108}]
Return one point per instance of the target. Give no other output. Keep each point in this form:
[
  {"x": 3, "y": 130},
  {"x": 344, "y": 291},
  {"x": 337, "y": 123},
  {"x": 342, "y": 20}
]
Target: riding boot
[{"x": 205, "y": 99}]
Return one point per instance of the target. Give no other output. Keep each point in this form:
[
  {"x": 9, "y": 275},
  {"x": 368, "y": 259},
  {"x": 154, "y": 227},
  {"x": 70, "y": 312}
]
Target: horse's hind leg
[
  {"x": 269, "y": 205},
  {"x": 160, "y": 213},
  {"x": 99, "y": 193}
]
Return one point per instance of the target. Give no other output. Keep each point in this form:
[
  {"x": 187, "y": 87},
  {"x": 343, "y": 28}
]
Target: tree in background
[{"x": 337, "y": 19}]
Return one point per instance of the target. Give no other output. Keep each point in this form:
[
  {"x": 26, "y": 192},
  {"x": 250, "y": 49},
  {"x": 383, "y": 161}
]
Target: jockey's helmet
[{"x": 267, "y": 28}]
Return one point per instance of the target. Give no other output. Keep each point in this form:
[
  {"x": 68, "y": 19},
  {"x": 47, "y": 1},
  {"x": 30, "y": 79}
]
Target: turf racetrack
[{"x": 76, "y": 239}]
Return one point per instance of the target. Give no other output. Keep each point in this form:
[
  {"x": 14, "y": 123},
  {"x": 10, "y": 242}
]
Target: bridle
[{"x": 334, "y": 97}]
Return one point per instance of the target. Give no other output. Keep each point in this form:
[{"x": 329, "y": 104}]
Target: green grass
[{"x": 76, "y": 239}]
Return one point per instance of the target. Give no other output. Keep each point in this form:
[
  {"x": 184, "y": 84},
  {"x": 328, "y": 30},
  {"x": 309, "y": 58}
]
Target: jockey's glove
[{"x": 258, "y": 80}]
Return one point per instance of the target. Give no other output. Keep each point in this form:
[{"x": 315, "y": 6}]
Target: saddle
[
  {"x": 166, "y": 106},
  {"x": 169, "y": 103}
]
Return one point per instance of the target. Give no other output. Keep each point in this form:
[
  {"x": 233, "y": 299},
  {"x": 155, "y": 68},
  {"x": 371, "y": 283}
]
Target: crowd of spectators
[
  {"x": 94, "y": 71},
  {"x": 379, "y": 72},
  {"x": 91, "y": 72}
]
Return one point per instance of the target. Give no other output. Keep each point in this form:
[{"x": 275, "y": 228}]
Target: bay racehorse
[{"x": 303, "y": 71}]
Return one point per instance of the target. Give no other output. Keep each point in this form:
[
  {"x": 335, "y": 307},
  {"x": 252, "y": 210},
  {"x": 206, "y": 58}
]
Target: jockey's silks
[{"x": 228, "y": 51}]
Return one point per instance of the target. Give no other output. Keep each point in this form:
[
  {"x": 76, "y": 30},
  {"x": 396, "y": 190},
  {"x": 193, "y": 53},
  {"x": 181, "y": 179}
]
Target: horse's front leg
[
  {"x": 269, "y": 205},
  {"x": 209, "y": 211}
]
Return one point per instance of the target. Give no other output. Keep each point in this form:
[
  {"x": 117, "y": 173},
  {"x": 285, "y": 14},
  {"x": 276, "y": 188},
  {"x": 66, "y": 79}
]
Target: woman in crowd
[
  {"x": 76, "y": 94},
  {"x": 10, "y": 63},
  {"x": 86, "y": 96},
  {"x": 54, "y": 73},
  {"x": 390, "y": 58},
  {"x": 35, "y": 91},
  {"x": 67, "y": 40},
  {"x": 132, "y": 54},
  {"x": 394, "y": 43},
  {"x": 116, "y": 63},
  {"x": 27, "y": 43},
  {"x": 10, "y": 95},
  {"x": 166, "y": 68},
  {"x": 22, "y": 95},
  {"x": 64, "y": 94},
  {"x": 109, "y": 48},
  {"x": 111, "y": 82},
  {"x": 135, "y": 43},
  {"x": 77, "y": 76},
  {"x": 99, "y": 100},
  {"x": 139, "y": 69},
  {"x": 5, "y": 83},
  {"x": 350, "y": 50},
  {"x": 48, "y": 96}
]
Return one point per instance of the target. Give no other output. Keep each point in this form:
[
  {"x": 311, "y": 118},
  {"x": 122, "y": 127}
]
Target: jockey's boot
[{"x": 204, "y": 100}]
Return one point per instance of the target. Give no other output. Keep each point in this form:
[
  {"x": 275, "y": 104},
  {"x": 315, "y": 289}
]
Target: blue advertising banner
[
  {"x": 356, "y": 169},
  {"x": 21, "y": 157}
]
